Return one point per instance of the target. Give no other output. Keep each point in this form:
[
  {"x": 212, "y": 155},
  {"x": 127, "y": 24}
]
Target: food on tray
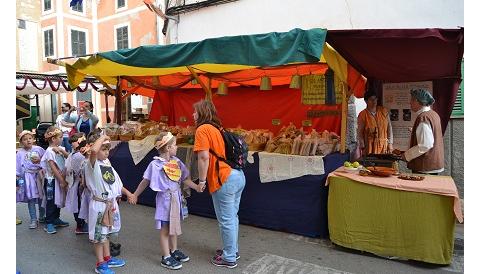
[
  {"x": 411, "y": 177},
  {"x": 352, "y": 165},
  {"x": 381, "y": 171},
  {"x": 256, "y": 139},
  {"x": 364, "y": 172}
]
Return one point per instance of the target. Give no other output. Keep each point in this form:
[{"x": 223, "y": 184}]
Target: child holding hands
[
  {"x": 105, "y": 187},
  {"x": 165, "y": 175}
]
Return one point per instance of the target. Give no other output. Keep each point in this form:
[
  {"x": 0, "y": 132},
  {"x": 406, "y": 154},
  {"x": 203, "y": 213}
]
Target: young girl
[
  {"x": 103, "y": 215},
  {"x": 165, "y": 175},
  {"x": 54, "y": 186},
  {"x": 28, "y": 177},
  {"x": 73, "y": 167}
]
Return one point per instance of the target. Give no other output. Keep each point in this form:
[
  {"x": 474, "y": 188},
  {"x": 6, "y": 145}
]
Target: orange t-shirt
[{"x": 209, "y": 137}]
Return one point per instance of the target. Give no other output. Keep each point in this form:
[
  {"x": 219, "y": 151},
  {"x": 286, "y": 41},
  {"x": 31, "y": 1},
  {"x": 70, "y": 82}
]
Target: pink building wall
[{"x": 140, "y": 20}]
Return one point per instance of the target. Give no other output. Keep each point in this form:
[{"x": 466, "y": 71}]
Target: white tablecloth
[{"x": 279, "y": 167}]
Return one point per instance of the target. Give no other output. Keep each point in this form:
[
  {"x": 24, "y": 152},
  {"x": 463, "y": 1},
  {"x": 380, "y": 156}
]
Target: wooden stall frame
[{"x": 207, "y": 89}]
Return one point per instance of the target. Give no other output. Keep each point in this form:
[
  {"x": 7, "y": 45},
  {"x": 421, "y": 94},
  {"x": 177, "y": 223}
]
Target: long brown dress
[{"x": 375, "y": 133}]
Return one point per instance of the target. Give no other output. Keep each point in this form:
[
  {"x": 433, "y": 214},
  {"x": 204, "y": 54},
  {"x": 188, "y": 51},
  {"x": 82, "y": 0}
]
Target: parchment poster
[
  {"x": 313, "y": 89},
  {"x": 396, "y": 98},
  {"x": 321, "y": 90}
]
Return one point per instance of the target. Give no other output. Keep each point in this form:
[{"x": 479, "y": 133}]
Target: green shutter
[{"x": 458, "y": 107}]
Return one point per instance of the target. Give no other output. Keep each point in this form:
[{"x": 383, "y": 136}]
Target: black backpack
[{"x": 236, "y": 149}]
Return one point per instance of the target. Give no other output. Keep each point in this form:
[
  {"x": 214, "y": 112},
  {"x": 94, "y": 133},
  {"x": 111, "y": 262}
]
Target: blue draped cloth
[{"x": 296, "y": 205}]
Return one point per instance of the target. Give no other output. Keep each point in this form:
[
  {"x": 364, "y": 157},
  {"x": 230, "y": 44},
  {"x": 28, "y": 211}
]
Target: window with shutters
[
  {"x": 21, "y": 24},
  {"x": 120, "y": 4},
  {"x": 48, "y": 43},
  {"x": 122, "y": 37},
  {"x": 47, "y": 5},
  {"x": 78, "y": 42},
  {"x": 458, "y": 108},
  {"x": 78, "y": 7}
]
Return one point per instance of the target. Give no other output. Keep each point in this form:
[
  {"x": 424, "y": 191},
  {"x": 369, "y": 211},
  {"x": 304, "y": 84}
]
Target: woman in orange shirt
[{"x": 225, "y": 184}]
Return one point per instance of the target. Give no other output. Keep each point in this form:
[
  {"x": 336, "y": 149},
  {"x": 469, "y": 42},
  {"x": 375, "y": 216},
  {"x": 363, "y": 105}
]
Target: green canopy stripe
[{"x": 264, "y": 50}]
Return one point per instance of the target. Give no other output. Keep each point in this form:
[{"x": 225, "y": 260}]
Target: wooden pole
[
  {"x": 108, "y": 91},
  {"x": 106, "y": 108},
  {"x": 207, "y": 90},
  {"x": 105, "y": 85},
  {"x": 118, "y": 103},
  {"x": 343, "y": 134},
  {"x": 208, "y": 96}
]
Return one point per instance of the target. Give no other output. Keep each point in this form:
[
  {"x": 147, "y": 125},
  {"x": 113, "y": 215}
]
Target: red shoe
[{"x": 81, "y": 230}]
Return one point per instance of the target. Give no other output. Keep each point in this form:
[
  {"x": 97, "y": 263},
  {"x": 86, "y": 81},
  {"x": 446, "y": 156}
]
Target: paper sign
[
  {"x": 396, "y": 98},
  {"x": 313, "y": 89}
]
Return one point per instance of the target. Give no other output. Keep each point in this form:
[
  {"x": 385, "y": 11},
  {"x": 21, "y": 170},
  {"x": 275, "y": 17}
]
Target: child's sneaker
[
  {"x": 115, "y": 262},
  {"x": 41, "y": 220},
  {"x": 171, "y": 263},
  {"x": 219, "y": 261},
  {"x": 60, "y": 223},
  {"x": 104, "y": 269},
  {"x": 82, "y": 230},
  {"x": 50, "y": 229},
  {"x": 19, "y": 221},
  {"x": 180, "y": 256},
  {"x": 33, "y": 224},
  {"x": 219, "y": 252}
]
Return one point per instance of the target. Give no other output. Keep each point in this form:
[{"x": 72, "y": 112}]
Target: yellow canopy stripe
[{"x": 108, "y": 70}]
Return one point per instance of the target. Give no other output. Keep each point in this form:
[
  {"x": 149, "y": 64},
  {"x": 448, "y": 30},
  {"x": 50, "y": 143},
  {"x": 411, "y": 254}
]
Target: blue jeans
[
  {"x": 66, "y": 144},
  {"x": 32, "y": 209},
  {"x": 226, "y": 202}
]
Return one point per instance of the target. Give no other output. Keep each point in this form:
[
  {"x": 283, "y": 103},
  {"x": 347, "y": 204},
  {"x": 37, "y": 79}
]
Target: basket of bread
[
  {"x": 112, "y": 130},
  {"x": 291, "y": 140}
]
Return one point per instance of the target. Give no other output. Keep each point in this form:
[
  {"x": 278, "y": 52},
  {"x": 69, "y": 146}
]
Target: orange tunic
[{"x": 375, "y": 133}]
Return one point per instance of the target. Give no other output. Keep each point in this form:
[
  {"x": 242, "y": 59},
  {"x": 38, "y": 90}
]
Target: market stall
[{"x": 389, "y": 216}]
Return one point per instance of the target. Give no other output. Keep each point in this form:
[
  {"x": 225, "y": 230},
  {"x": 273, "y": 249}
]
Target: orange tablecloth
[{"x": 434, "y": 184}]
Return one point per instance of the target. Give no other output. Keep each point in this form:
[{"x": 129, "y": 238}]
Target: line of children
[
  {"x": 165, "y": 174},
  {"x": 89, "y": 187},
  {"x": 28, "y": 171}
]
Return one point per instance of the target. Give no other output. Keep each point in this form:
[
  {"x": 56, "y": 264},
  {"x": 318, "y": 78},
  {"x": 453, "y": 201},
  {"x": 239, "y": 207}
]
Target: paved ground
[{"x": 262, "y": 251}]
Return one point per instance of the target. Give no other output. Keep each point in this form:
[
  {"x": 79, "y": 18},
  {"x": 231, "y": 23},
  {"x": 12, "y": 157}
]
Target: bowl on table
[{"x": 352, "y": 169}]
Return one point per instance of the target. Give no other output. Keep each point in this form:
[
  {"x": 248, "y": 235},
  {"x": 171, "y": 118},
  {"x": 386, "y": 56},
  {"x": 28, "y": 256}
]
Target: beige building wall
[{"x": 28, "y": 51}]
